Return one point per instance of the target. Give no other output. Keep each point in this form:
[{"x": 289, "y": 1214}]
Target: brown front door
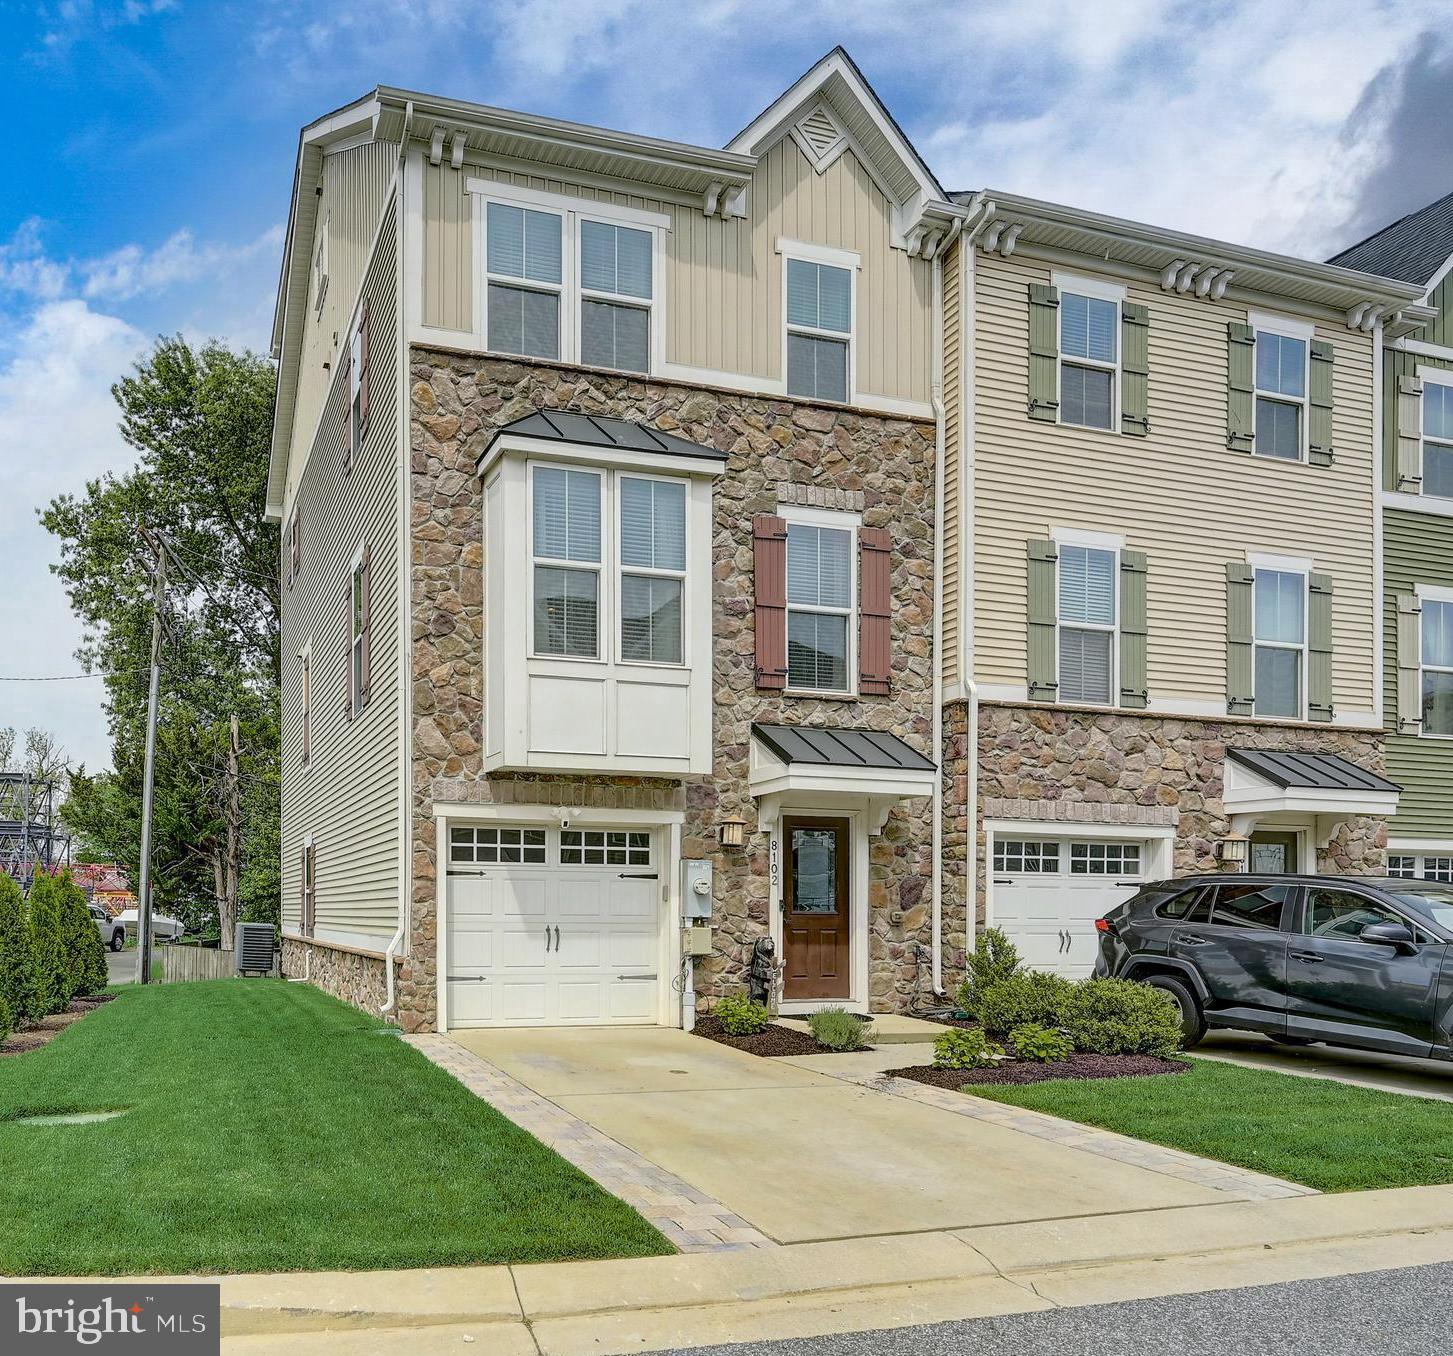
[{"x": 816, "y": 951}]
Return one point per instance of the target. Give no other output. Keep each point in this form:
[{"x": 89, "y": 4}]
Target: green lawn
[
  {"x": 272, "y": 1128},
  {"x": 1323, "y": 1134}
]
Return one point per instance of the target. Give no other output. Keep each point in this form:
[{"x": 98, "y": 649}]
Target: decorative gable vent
[{"x": 820, "y": 137}]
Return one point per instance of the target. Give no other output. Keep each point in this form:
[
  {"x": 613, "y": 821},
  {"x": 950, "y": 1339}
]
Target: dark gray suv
[{"x": 1349, "y": 960}]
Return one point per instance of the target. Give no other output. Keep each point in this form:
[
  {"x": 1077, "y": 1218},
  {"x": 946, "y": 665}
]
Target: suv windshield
[{"x": 1434, "y": 902}]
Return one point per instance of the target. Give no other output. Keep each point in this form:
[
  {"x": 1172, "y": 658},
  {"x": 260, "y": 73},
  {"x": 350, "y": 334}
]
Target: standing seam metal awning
[
  {"x": 841, "y": 748},
  {"x": 1314, "y": 771}
]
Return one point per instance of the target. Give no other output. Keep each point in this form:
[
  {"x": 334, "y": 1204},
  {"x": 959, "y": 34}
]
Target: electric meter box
[{"x": 696, "y": 888}]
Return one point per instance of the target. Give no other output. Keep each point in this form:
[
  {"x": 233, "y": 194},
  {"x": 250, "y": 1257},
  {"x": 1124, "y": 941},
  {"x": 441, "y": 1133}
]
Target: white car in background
[{"x": 163, "y": 928}]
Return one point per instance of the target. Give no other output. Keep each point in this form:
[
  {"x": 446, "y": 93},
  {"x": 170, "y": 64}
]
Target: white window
[
  {"x": 1436, "y": 626},
  {"x": 1087, "y": 598},
  {"x": 1026, "y": 857},
  {"x": 1438, "y": 438},
  {"x": 653, "y": 569},
  {"x": 819, "y": 329},
  {"x": 821, "y": 603},
  {"x": 524, "y": 280},
  {"x": 1280, "y": 634},
  {"x": 569, "y": 280},
  {"x": 305, "y": 659},
  {"x": 566, "y": 537},
  {"x": 360, "y": 624},
  {"x": 493, "y": 845},
  {"x": 615, "y": 296},
  {"x": 1407, "y": 866},
  {"x": 596, "y": 847},
  {"x": 320, "y": 265},
  {"x": 1281, "y": 394},
  {"x": 1089, "y": 346},
  {"x": 308, "y": 889}
]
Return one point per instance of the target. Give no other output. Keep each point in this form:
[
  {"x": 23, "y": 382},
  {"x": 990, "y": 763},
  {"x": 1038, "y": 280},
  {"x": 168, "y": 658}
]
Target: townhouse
[
  {"x": 699, "y": 560},
  {"x": 1416, "y": 480},
  {"x": 607, "y": 471},
  {"x": 1163, "y": 630}
]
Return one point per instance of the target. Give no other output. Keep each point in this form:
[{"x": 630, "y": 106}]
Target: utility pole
[
  {"x": 234, "y": 839},
  {"x": 143, "y": 912}
]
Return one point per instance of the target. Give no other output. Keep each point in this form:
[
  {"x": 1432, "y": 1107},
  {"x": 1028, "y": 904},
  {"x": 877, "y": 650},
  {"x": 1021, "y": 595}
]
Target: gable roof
[{"x": 1415, "y": 248}]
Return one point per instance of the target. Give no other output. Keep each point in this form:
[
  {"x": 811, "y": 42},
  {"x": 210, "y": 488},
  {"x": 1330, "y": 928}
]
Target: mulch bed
[
  {"x": 775, "y": 1040},
  {"x": 33, "y": 1035},
  {"x": 1075, "y": 1067}
]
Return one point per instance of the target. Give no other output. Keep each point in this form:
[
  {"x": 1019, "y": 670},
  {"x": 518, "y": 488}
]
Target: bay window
[
  {"x": 1280, "y": 642},
  {"x": 566, "y": 560},
  {"x": 653, "y": 569}
]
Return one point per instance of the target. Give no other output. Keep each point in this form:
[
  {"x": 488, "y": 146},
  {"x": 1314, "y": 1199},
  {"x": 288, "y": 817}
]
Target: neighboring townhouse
[
  {"x": 1416, "y": 478},
  {"x": 607, "y": 473},
  {"x": 1162, "y": 627}
]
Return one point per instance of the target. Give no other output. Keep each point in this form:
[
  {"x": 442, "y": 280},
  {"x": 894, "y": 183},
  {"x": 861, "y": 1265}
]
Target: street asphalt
[
  {"x": 121, "y": 967},
  {"x": 1387, "y": 1313}
]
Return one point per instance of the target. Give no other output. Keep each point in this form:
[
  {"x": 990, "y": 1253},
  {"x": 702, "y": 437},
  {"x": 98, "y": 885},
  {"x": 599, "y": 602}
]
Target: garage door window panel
[
  {"x": 589, "y": 847},
  {"x": 491, "y": 845},
  {"x": 1104, "y": 859},
  {"x": 1026, "y": 857}
]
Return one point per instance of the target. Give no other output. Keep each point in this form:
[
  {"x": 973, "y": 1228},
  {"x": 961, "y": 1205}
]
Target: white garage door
[
  {"x": 1048, "y": 892},
  {"x": 551, "y": 927}
]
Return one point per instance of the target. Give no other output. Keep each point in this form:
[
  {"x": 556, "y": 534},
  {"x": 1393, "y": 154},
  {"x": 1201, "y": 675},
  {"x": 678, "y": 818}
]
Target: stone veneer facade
[
  {"x": 345, "y": 972},
  {"x": 1043, "y": 763},
  {"x": 780, "y": 451}
]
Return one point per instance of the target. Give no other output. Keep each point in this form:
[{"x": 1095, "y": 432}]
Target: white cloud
[{"x": 130, "y": 270}]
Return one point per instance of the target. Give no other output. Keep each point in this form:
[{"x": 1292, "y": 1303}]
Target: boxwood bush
[
  {"x": 994, "y": 958},
  {"x": 965, "y": 1048},
  {"x": 838, "y": 1029},
  {"x": 1122, "y": 1017},
  {"x": 1040, "y": 1044},
  {"x": 1034, "y": 996},
  {"x": 740, "y": 1016}
]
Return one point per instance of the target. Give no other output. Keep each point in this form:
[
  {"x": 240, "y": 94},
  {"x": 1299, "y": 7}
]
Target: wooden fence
[{"x": 181, "y": 963}]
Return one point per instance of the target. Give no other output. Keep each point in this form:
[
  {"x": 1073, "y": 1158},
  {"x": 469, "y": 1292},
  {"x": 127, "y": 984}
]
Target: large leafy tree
[{"x": 200, "y": 420}]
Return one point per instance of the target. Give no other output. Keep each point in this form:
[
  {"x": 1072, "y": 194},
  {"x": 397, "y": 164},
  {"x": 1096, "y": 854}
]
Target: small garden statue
[{"x": 762, "y": 971}]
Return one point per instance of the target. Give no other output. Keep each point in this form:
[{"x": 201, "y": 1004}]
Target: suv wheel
[{"x": 1193, "y": 1022}]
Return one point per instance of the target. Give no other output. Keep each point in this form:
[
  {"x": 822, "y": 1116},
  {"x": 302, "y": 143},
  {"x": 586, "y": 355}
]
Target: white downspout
[
  {"x": 390, "y": 998},
  {"x": 940, "y": 439}
]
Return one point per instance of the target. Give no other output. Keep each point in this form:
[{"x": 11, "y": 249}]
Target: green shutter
[
  {"x": 1319, "y": 647},
  {"x": 1043, "y": 352},
  {"x": 1410, "y": 435},
  {"x": 1240, "y": 657},
  {"x": 1132, "y": 630},
  {"x": 1320, "y": 424},
  {"x": 1409, "y": 664},
  {"x": 1135, "y": 369},
  {"x": 1043, "y": 619},
  {"x": 1240, "y": 402}
]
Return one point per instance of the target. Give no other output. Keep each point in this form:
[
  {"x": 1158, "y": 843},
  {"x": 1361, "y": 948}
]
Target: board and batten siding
[
  {"x": 348, "y": 797},
  {"x": 1441, "y": 330},
  {"x": 355, "y": 184},
  {"x": 1179, "y": 494},
  {"x": 1417, "y": 549},
  {"x": 724, "y": 278},
  {"x": 1397, "y": 363}
]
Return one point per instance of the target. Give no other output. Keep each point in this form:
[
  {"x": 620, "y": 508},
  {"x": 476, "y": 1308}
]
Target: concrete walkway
[
  {"x": 1361, "y": 1068},
  {"x": 803, "y": 1155}
]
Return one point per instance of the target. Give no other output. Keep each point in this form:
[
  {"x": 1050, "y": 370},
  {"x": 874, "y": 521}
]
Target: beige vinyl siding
[
  {"x": 952, "y": 461},
  {"x": 355, "y": 184},
  {"x": 348, "y": 798},
  {"x": 724, "y": 278},
  {"x": 1417, "y": 549},
  {"x": 1178, "y": 495}
]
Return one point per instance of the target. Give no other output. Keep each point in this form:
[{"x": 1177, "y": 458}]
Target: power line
[{"x": 69, "y": 677}]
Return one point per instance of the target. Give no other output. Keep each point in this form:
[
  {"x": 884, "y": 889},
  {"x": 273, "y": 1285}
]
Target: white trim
[
  {"x": 1105, "y": 543},
  {"x": 1265, "y": 560},
  {"x": 1432, "y": 504},
  {"x": 1444, "y": 269},
  {"x": 603, "y": 611},
  {"x": 744, "y": 383},
  {"x": 1439, "y": 376},
  {"x": 578, "y": 815},
  {"x": 819, "y": 517},
  {"x": 566, "y": 203},
  {"x": 1085, "y": 286},
  {"x": 818, "y": 254},
  {"x": 1183, "y": 708},
  {"x": 1436, "y": 593},
  {"x": 1272, "y": 564},
  {"x": 364, "y": 941},
  {"x": 1434, "y": 846},
  {"x": 1100, "y": 541},
  {"x": 1379, "y": 671},
  {"x": 1289, "y": 327},
  {"x": 848, "y": 337},
  {"x": 1068, "y": 828},
  {"x": 1423, "y": 348},
  {"x": 831, "y": 520},
  {"x": 403, "y": 668},
  {"x": 1092, "y": 289},
  {"x": 1430, "y": 593}
]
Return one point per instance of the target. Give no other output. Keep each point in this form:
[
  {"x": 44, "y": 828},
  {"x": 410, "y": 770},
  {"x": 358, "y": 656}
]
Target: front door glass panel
[
  {"x": 814, "y": 870},
  {"x": 1273, "y": 854}
]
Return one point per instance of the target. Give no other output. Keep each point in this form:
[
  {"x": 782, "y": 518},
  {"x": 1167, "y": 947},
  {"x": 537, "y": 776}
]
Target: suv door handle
[
  {"x": 1189, "y": 939},
  {"x": 1310, "y": 957}
]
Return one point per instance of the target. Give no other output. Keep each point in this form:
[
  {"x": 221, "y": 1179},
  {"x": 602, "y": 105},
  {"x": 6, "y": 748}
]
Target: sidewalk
[{"x": 809, "y": 1289}]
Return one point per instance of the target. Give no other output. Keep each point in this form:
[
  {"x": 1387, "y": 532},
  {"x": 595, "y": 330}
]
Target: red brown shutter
[
  {"x": 365, "y": 587},
  {"x": 769, "y": 557},
  {"x": 363, "y": 381},
  {"x": 875, "y": 611}
]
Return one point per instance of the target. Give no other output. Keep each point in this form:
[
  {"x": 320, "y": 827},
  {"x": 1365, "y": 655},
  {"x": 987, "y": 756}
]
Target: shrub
[
  {"x": 85, "y": 954},
  {"x": 740, "y": 1016},
  {"x": 1040, "y": 1044},
  {"x": 839, "y": 1030},
  {"x": 1035, "y": 996},
  {"x": 1122, "y": 1017},
  {"x": 51, "y": 967},
  {"x": 7, "y": 1021},
  {"x": 17, "y": 961},
  {"x": 994, "y": 958},
  {"x": 965, "y": 1048}
]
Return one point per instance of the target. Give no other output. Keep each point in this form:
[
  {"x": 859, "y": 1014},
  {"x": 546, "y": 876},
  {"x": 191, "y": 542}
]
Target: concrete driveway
[
  {"x": 803, "y": 1155},
  {"x": 1362, "y": 1068}
]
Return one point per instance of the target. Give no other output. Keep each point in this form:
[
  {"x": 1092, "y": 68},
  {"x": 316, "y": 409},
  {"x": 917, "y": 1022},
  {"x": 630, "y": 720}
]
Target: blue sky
[{"x": 150, "y": 144}]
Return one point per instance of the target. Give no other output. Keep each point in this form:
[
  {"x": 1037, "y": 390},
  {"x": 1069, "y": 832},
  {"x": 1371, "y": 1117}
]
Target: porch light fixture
[
  {"x": 731, "y": 831},
  {"x": 1232, "y": 849}
]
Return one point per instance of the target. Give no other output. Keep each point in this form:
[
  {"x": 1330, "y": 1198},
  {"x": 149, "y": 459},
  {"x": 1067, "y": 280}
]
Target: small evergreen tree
[
  {"x": 17, "y": 964},
  {"x": 84, "y": 953},
  {"x": 51, "y": 967},
  {"x": 7, "y": 1022}
]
